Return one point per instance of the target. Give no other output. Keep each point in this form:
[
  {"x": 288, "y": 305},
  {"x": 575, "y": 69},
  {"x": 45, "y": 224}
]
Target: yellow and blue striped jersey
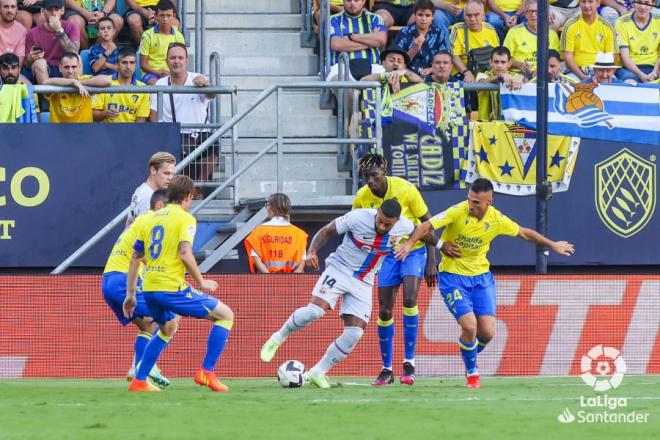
[
  {"x": 343, "y": 24},
  {"x": 159, "y": 239},
  {"x": 122, "y": 251},
  {"x": 412, "y": 204},
  {"x": 472, "y": 235}
]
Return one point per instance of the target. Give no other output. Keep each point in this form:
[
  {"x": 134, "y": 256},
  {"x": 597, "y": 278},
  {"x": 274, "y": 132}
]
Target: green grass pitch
[{"x": 504, "y": 408}]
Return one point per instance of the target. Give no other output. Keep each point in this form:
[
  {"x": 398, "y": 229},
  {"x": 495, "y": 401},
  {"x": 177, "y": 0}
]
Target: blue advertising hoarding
[{"x": 60, "y": 184}]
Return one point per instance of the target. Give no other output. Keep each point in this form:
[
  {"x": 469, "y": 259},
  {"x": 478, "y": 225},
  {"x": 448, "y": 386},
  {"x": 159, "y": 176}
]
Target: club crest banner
[{"x": 505, "y": 153}]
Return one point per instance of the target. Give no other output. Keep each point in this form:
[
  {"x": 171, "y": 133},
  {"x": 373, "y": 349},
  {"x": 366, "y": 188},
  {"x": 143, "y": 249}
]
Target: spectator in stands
[
  {"x": 86, "y": 15},
  {"x": 45, "y": 44},
  {"x": 187, "y": 109},
  {"x": 441, "y": 68},
  {"x": 555, "y": 69},
  {"x": 336, "y": 6},
  {"x": 361, "y": 34},
  {"x": 29, "y": 13},
  {"x": 141, "y": 15},
  {"x": 562, "y": 10},
  {"x": 103, "y": 56},
  {"x": 395, "y": 12},
  {"x": 155, "y": 41},
  {"x": 504, "y": 14},
  {"x": 583, "y": 37},
  {"x": 396, "y": 74},
  {"x": 604, "y": 68},
  {"x": 73, "y": 107},
  {"x": 480, "y": 34},
  {"x": 12, "y": 33},
  {"x": 17, "y": 104},
  {"x": 490, "y": 108},
  {"x": 123, "y": 107},
  {"x": 448, "y": 13},
  {"x": 422, "y": 39},
  {"x": 277, "y": 245},
  {"x": 521, "y": 41},
  {"x": 611, "y": 10},
  {"x": 638, "y": 37}
]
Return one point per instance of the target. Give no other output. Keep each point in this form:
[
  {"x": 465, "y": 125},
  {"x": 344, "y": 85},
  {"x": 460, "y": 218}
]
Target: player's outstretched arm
[
  {"x": 420, "y": 231},
  {"x": 131, "y": 284},
  {"x": 319, "y": 240},
  {"x": 188, "y": 260},
  {"x": 561, "y": 247}
]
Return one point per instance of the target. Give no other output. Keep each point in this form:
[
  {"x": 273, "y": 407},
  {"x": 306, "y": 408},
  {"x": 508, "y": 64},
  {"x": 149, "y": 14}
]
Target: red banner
[{"x": 59, "y": 326}]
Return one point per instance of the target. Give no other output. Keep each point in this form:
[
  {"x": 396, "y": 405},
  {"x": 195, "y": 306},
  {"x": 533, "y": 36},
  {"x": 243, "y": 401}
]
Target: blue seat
[{"x": 84, "y": 56}]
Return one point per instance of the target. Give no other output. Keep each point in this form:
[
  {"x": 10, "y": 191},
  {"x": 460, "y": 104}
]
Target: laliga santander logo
[{"x": 603, "y": 361}]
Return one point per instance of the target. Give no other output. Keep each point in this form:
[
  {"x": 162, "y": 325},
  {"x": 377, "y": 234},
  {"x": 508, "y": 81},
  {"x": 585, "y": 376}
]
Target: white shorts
[
  {"x": 334, "y": 71},
  {"x": 357, "y": 294}
]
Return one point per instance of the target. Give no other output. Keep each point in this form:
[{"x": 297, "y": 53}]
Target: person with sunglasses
[{"x": 17, "y": 104}]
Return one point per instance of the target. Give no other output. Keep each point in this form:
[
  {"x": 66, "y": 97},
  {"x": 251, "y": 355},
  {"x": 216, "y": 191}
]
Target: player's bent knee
[
  {"x": 169, "y": 328},
  {"x": 350, "y": 337},
  {"x": 222, "y": 312}
]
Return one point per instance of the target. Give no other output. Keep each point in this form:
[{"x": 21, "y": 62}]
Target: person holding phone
[{"x": 43, "y": 49}]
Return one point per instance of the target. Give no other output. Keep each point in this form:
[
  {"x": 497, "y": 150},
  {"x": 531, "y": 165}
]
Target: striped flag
[{"x": 612, "y": 112}]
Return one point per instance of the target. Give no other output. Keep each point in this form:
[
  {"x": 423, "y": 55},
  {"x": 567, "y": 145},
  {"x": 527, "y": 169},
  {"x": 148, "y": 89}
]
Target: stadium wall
[{"x": 60, "y": 327}]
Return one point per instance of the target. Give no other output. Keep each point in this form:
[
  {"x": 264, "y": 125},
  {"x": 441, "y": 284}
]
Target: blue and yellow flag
[{"x": 505, "y": 153}]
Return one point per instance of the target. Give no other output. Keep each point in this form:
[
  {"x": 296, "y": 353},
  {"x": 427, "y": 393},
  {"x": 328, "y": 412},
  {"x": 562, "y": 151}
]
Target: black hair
[
  {"x": 160, "y": 195},
  {"x": 372, "y": 160},
  {"x": 481, "y": 185},
  {"x": 391, "y": 208},
  {"x": 126, "y": 52},
  {"x": 553, "y": 53},
  {"x": 501, "y": 50},
  {"x": 9, "y": 58},
  {"x": 421, "y": 5},
  {"x": 109, "y": 20},
  {"x": 165, "y": 5}
]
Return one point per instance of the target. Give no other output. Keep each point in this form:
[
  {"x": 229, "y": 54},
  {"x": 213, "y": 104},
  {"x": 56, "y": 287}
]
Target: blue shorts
[
  {"x": 164, "y": 306},
  {"x": 392, "y": 271},
  {"x": 464, "y": 294},
  {"x": 113, "y": 285}
]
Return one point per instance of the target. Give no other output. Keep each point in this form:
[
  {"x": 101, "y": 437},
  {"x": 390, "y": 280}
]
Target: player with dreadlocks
[{"x": 419, "y": 263}]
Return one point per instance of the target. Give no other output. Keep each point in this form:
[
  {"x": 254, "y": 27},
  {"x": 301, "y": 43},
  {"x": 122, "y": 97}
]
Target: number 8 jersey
[
  {"x": 363, "y": 250},
  {"x": 159, "y": 240}
]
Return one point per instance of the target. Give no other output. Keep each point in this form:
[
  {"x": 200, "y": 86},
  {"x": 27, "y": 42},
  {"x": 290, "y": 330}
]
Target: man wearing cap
[
  {"x": 45, "y": 44},
  {"x": 395, "y": 61},
  {"x": 604, "y": 69}
]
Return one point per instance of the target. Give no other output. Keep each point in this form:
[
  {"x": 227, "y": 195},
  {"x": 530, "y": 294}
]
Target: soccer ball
[{"x": 290, "y": 374}]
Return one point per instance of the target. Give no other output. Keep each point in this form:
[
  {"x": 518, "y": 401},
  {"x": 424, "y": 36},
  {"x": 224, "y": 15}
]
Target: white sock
[
  {"x": 338, "y": 350},
  {"x": 298, "y": 320}
]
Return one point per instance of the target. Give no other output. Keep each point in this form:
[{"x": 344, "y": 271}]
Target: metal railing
[
  {"x": 307, "y": 36},
  {"x": 159, "y": 91},
  {"x": 181, "y": 11},
  {"x": 200, "y": 35},
  {"x": 216, "y": 136}
]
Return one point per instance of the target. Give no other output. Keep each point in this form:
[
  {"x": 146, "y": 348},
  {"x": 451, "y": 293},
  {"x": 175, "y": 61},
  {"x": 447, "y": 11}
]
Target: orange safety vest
[{"x": 280, "y": 248}]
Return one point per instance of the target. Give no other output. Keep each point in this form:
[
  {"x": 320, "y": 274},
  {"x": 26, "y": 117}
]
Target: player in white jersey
[
  {"x": 161, "y": 171},
  {"x": 369, "y": 235}
]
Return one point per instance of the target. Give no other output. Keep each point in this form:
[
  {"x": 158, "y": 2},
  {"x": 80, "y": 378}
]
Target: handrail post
[
  {"x": 159, "y": 105},
  {"x": 278, "y": 151},
  {"x": 214, "y": 74},
  {"x": 198, "y": 36},
  {"x": 234, "y": 141},
  {"x": 379, "y": 128},
  {"x": 307, "y": 37},
  {"x": 324, "y": 52},
  {"x": 181, "y": 10},
  {"x": 354, "y": 135}
]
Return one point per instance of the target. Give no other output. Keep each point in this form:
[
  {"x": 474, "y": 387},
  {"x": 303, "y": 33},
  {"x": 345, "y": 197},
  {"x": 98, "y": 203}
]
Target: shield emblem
[{"x": 625, "y": 192}]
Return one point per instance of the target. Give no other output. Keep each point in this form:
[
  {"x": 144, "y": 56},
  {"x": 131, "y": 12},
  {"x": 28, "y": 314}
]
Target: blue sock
[
  {"x": 469, "y": 354},
  {"x": 410, "y": 321},
  {"x": 140, "y": 345},
  {"x": 482, "y": 344},
  {"x": 385, "y": 336},
  {"x": 216, "y": 343},
  {"x": 156, "y": 345}
]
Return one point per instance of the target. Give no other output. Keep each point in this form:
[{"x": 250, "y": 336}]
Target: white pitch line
[{"x": 466, "y": 399}]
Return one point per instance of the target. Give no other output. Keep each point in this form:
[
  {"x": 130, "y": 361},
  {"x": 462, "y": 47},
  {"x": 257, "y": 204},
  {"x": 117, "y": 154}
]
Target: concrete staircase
[{"x": 260, "y": 44}]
